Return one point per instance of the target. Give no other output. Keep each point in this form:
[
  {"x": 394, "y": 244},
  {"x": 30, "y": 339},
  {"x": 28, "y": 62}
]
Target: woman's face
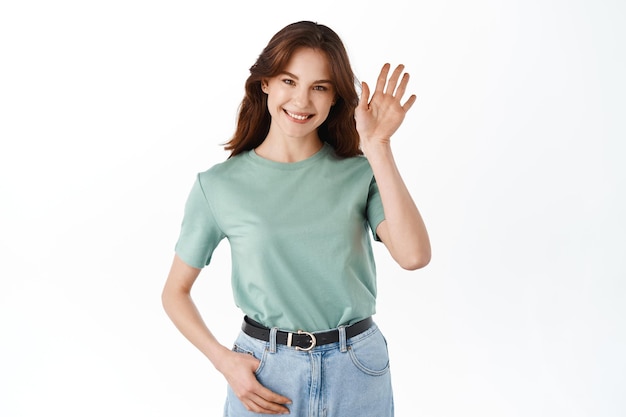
[{"x": 300, "y": 97}]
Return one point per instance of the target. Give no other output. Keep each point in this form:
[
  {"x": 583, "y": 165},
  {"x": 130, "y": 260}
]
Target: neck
[{"x": 288, "y": 150}]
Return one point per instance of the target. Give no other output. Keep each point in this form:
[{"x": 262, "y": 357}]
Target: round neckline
[{"x": 324, "y": 150}]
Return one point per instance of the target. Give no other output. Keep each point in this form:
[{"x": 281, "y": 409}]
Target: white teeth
[{"x": 296, "y": 116}]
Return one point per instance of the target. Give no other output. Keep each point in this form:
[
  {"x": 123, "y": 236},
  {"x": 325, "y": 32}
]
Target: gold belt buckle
[{"x": 306, "y": 349}]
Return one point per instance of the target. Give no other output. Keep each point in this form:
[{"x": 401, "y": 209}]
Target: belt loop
[
  {"x": 342, "y": 339},
  {"x": 273, "y": 332}
]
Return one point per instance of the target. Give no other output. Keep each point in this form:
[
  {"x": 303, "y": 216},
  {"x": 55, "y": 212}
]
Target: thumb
[{"x": 365, "y": 96}]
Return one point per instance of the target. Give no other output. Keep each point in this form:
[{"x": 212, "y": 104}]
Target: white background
[{"x": 514, "y": 153}]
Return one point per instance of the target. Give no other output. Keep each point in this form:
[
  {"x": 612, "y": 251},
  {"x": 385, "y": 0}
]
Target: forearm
[
  {"x": 403, "y": 232},
  {"x": 237, "y": 368},
  {"x": 183, "y": 312}
]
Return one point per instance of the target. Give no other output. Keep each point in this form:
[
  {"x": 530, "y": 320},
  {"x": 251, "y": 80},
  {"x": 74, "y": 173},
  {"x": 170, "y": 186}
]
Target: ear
[{"x": 264, "y": 85}]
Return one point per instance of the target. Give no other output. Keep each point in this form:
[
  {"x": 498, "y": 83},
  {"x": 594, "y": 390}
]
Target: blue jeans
[{"x": 346, "y": 379}]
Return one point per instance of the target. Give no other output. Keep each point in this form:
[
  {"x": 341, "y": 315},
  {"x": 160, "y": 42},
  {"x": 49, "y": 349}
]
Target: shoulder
[
  {"x": 221, "y": 169},
  {"x": 354, "y": 164}
]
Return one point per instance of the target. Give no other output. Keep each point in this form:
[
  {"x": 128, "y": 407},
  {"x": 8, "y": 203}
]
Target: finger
[
  {"x": 269, "y": 402},
  {"x": 382, "y": 79},
  {"x": 409, "y": 103},
  {"x": 402, "y": 87},
  {"x": 365, "y": 96},
  {"x": 393, "y": 80},
  {"x": 258, "y": 405},
  {"x": 271, "y": 396}
]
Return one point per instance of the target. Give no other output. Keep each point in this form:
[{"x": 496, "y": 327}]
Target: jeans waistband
[{"x": 302, "y": 340}]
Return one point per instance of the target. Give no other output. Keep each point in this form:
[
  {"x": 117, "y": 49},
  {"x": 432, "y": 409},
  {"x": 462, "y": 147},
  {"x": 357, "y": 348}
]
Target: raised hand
[{"x": 378, "y": 119}]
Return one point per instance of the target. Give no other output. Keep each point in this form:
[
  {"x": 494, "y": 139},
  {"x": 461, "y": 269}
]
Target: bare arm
[
  {"x": 237, "y": 368},
  {"x": 403, "y": 231}
]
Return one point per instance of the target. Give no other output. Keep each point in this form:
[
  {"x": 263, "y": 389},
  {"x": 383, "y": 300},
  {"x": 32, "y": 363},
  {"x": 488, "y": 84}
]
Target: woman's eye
[
  {"x": 320, "y": 88},
  {"x": 288, "y": 81}
]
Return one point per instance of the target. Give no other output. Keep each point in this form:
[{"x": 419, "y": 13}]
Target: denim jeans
[{"x": 346, "y": 379}]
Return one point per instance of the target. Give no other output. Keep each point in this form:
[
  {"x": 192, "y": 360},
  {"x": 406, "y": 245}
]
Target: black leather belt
[{"x": 302, "y": 340}]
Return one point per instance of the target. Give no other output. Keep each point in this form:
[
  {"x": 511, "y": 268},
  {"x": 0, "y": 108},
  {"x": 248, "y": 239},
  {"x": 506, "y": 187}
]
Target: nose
[{"x": 301, "y": 96}]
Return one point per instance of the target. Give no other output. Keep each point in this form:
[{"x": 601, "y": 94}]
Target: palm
[{"x": 378, "y": 119}]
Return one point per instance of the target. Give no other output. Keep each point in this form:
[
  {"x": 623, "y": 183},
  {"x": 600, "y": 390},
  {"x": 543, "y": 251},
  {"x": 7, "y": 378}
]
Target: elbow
[
  {"x": 415, "y": 265},
  {"x": 173, "y": 295},
  {"x": 165, "y": 299},
  {"x": 415, "y": 262},
  {"x": 168, "y": 298}
]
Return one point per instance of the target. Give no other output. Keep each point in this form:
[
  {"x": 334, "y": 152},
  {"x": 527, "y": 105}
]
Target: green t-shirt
[{"x": 298, "y": 234}]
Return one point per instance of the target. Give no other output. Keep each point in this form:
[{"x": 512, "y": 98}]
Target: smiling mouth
[{"x": 298, "y": 116}]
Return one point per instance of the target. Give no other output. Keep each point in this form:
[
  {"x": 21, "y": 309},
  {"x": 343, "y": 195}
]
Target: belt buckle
[{"x": 306, "y": 349}]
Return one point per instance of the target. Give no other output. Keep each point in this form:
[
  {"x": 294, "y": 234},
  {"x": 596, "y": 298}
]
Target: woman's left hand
[{"x": 377, "y": 119}]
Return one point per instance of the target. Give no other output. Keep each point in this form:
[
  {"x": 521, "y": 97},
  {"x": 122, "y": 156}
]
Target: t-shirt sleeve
[
  {"x": 375, "y": 212},
  {"x": 200, "y": 233}
]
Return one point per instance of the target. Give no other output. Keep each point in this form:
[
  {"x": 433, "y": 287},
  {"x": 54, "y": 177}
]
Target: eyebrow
[{"x": 314, "y": 82}]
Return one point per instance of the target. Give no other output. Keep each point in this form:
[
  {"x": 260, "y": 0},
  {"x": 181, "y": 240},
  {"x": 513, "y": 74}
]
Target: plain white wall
[{"x": 514, "y": 153}]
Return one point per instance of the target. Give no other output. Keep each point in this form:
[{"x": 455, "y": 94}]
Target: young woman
[{"x": 310, "y": 174}]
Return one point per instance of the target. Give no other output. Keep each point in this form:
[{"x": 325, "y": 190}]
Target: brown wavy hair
[{"x": 339, "y": 128}]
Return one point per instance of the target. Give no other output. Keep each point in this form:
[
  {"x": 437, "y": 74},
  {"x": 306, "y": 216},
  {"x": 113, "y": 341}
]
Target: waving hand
[{"x": 378, "y": 118}]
